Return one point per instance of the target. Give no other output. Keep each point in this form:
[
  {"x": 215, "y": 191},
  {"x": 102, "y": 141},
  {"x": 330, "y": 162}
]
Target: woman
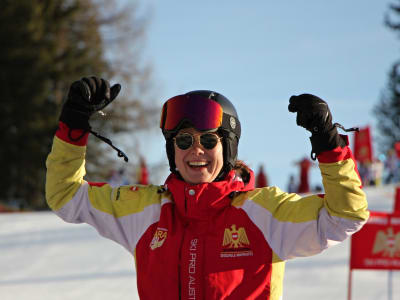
[{"x": 207, "y": 233}]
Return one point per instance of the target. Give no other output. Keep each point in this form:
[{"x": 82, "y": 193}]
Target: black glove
[
  {"x": 85, "y": 97},
  {"x": 314, "y": 115}
]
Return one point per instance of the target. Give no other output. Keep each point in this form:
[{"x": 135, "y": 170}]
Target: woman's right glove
[
  {"x": 314, "y": 115},
  {"x": 85, "y": 97}
]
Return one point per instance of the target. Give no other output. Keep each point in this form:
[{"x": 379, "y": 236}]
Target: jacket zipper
[
  {"x": 179, "y": 281},
  {"x": 180, "y": 253},
  {"x": 185, "y": 201}
]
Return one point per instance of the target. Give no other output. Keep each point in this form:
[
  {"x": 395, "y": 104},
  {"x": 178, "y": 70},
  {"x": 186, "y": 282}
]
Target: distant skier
[
  {"x": 207, "y": 233},
  {"x": 291, "y": 186}
]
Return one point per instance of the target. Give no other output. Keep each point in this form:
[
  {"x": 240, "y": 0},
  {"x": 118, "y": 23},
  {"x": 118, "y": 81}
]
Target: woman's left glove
[
  {"x": 314, "y": 115},
  {"x": 85, "y": 97}
]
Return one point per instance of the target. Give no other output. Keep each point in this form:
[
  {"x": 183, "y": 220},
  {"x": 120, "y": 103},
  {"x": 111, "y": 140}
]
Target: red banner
[
  {"x": 397, "y": 148},
  {"x": 304, "y": 186},
  {"x": 377, "y": 244},
  {"x": 363, "y": 145},
  {"x": 397, "y": 201},
  {"x": 261, "y": 178}
]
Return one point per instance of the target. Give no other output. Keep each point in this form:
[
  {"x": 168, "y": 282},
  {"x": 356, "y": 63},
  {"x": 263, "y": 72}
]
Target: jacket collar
[{"x": 199, "y": 201}]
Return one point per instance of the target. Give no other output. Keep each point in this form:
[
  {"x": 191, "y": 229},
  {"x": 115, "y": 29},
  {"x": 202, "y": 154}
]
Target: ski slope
[{"x": 42, "y": 257}]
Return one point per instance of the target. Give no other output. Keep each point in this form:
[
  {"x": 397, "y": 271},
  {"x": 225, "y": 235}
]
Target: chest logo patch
[
  {"x": 235, "y": 243},
  {"x": 159, "y": 238}
]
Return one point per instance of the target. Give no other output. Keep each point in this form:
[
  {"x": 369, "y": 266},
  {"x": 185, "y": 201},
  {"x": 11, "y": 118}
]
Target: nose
[{"x": 197, "y": 147}]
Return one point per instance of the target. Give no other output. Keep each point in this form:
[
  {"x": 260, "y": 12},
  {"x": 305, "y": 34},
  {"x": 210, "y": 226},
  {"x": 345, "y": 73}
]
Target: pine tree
[
  {"x": 388, "y": 108},
  {"x": 46, "y": 45}
]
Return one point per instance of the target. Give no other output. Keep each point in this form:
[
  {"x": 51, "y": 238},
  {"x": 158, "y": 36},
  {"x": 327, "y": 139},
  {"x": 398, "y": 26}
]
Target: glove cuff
[
  {"x": 78, "y": 137},
  {"x": 326, "y": 141}
]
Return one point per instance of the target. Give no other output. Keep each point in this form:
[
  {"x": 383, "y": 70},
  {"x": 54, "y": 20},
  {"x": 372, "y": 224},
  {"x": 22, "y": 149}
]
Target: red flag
[
  {"x": 261, "y": 179},
  {"x": 305, "y": 165},
  {"x": 397, "y": 200},
  {"x": 397, "y": 148},
  {"x": 377, "y": 244},
  {"x": 143, "y": 174},
  {"x": 363, "y": 145}
]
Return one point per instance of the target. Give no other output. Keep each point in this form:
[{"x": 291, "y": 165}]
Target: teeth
[{"x": 197, "y": 163}]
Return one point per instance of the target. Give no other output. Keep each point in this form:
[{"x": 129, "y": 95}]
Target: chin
[{"x": 199, "y": 179}]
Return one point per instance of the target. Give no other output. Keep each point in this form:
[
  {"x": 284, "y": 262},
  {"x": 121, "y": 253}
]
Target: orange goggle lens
[{"x": 202, "y": 113}]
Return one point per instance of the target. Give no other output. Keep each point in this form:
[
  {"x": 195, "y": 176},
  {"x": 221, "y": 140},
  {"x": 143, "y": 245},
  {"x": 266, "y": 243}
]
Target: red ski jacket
[{"x": 219, "y": 240}]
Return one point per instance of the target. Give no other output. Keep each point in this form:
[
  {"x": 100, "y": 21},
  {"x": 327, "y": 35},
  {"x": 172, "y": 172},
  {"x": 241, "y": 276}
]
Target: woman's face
[{"x": 198, "y": 164}]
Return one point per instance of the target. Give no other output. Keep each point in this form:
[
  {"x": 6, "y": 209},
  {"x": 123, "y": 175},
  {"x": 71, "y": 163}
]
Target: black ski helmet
[{"x": 205, "y": 111}]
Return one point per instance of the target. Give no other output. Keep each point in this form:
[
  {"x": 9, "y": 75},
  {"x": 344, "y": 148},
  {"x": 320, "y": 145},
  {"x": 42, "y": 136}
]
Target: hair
[{"x": 243, "y": 170}]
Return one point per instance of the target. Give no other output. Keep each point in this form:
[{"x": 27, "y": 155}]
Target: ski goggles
[
  {"x": 202, "y": 113},
  {"x": 185, "y": 140}
]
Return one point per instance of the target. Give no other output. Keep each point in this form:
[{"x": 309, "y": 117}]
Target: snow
[{"x": 42, "y": 257}]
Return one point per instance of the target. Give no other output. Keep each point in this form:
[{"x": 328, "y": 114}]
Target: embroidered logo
[
  {"x": 387, "y": 243},
  {"x": 232, "y": 122},
  {"x": 235, "y": 243},
  {"x": 159, "y": 237}
]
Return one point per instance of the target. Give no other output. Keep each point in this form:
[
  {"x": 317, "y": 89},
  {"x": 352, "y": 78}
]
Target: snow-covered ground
[{"x": 41, "y": 258}]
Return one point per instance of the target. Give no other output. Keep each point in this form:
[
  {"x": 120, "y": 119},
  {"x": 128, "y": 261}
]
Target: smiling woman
[
  {"x": 201, "y": 112},
  {"x": 202, "y": 161},
  {"x": 196, "y": 123},
  {"x": 207, "y": 233}
]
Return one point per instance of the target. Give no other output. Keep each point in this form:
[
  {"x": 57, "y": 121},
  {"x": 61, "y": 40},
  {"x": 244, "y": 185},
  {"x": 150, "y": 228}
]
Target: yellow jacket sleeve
[
  {"x": 301, "y": 226},
  {"x": 121, "y": 213}
]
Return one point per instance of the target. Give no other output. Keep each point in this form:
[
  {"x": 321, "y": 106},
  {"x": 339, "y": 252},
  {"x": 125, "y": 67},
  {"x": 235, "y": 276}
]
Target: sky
[
  {"x": 42, "y": 257},
  {"x": 261, "y": 53}
]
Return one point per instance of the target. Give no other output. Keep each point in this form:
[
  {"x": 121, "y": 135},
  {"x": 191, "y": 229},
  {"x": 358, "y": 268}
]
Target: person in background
[
  {"x": 118, "y": 178},
  {"x": 207, "y": 233},
  {"x": 142, "y": 174},
  {"x": 377, "y": 167},
  {"x": 391, "y": 166},
  {"x": 364, "y": 169},
  {"x": 292, "y": 186}
]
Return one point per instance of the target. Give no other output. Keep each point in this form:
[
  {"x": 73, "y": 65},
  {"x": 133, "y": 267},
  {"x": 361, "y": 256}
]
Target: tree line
[
  {"x": 387, "y": 109},
  {"x": 46, "y": 45}
]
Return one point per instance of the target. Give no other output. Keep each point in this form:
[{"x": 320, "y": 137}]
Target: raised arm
[
  {"x": 121, "y": 214},
  {"x": 301, "y": 226}
]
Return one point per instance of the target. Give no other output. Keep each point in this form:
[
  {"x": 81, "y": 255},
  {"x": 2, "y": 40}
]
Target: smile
[{"x": 197, "y": 164}]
